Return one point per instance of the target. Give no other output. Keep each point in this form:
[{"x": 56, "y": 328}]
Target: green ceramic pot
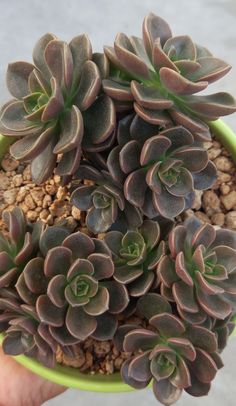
[{"x": 71, "y": 377}]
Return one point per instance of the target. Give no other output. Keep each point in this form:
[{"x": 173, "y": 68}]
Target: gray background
[{"x": 210, "y": 22}]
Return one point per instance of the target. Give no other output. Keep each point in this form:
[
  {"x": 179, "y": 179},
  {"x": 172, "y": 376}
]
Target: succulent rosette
[
  {"x": 161, "y": 173},
  {"x": 18, "y": 246},
  {"x": 136, "y": 255},
  {"x": 175, "y": 356},
  {"x": 103, "y": 200},
  {"x": 223, "y": 329},
  {"x": 199, "y": 273},
  {"x": 72, "y": 288},
  {"x": 159, "y": 75},
  {"x": 26, "y": 334},
  {"x": 58, "y": 109}
]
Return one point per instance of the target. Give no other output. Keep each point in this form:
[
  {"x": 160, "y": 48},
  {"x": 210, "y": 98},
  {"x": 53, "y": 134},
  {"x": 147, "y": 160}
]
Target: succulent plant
[
  {"x": 199, "y": 272},
  {"x": 126, "y": 130},
  {"x": 18, "y": 247},
  {"x": 136, "y": 255},
  {"x": 103, "y": 200},
  {"x": 72, "y": 288},
  {"x": 177, "y": 357},
  {"x": 24, "y": 333},
  {"x": 159, "y": 76},
  {"x": 58, "y": 109},
  {"x": 223, "y": 329},
  {"x": 161, "y": 173}
]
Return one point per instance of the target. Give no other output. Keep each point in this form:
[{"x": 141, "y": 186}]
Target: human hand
[{"x": 20, "y": 387}]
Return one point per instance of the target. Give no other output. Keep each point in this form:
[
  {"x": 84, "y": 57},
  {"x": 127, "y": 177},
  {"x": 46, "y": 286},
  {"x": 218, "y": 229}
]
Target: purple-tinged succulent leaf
[
  {"x": 155, "y": 27},
  {"x": 106, "y": 327},
  {"x": 139, "y": 367},
  {"x": 49, "y": 313},
  {"x": 166, "y": 392},
  {"x": 129, "y": 380},
  {"x": 17, "y": 78},
  {"x": 89, "y": 86},
  {"x": 151, "y": 304},
  {"x": 79, "y": 323},
  {"x": 140, "y": 339},
  {"x": 80, "y": 245}
]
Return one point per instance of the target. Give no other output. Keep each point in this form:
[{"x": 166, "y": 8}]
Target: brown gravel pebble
[
  {"x": 231, "y": 220},
  {"x": 9, "y": 196},
  {"x": 211, "y": 202},
  {"x": 38, "y": 195},
  {"x": 102, "y": 348},
  {"x": 18, "y": 180},
  {"x": 29, "y": 202},
  {"x": 76, "y": 362},
  {"x": 4, "y": 181},
  {"x": 218, "y": 219},
  {"x": 202, "y": 216},
  {"x": 8, "y": 163},
  {"x": 76, "y": 213},
  {"x": 223, "y": 163},
  {"x": 229, "y": 201}
]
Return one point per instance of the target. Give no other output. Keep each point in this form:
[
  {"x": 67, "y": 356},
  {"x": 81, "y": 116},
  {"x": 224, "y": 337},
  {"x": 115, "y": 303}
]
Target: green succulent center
[
  {"x": 163, "y": 361},
  {"x": 133, "y": 249},
  {"x": 210, "y": 266},
  {"x": 101, "y": 201},
  {"x": 35, "y": 101},
  {"x": 172, "y": 175},
  {"x": 79, "y": 286}
]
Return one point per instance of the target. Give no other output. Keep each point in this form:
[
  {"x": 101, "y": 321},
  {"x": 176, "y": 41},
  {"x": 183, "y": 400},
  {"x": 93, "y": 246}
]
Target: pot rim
[{"x": 71, "y": 377}]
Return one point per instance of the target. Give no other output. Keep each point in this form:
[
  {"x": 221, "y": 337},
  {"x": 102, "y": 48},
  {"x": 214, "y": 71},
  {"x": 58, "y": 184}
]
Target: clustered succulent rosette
[
  {"x": 18, "y": 247},
  {"x": 199, "y": 273},
  {"x": 136, "y": 255},
  {"x": 160, "y": 173},
  {"x": 124, "y": 130},
  {"x": 175, "y": 355},
  {"x": 159, "y": 76},
  {"x": 58, "y": 108},
  {"x": 25, "y": 334},
  {"x": 103, "y": 200},
  {"x": 80, "y": 298}
]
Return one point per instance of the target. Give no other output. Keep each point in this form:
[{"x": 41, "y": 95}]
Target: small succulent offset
[
  {"x": 18, "y": 247},
  {"x": 161, "y": 173},
  {"x": 103, "y": 200},
  {"x": 72, "y": 288},
  {"x": 199, "y": 273},
  {"x": 27, "y": 335},
  {"x": 58, "y": 108},
  {"x": 136, "y": 255},
  {"x": 159, "y": 75},
  {"x": 176, "y": 356}
]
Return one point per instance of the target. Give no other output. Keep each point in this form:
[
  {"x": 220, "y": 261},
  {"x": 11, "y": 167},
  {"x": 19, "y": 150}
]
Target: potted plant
[{"x": 126, "y": 136}]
